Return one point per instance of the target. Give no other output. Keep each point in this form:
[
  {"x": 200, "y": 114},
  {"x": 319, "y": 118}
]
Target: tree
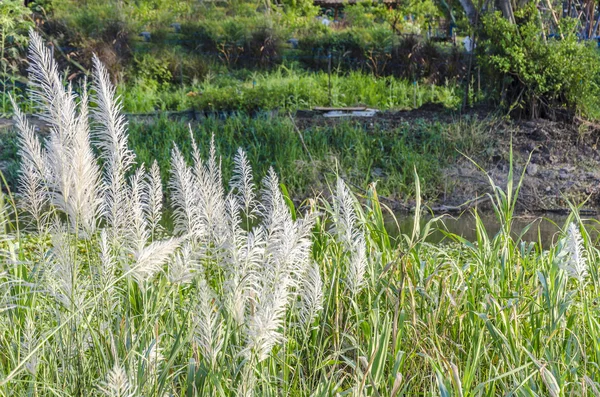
[
  {"x": 503, "y": 5},
  {"x": 507, "y": 10},
  {"x": 470, "y": 10}
]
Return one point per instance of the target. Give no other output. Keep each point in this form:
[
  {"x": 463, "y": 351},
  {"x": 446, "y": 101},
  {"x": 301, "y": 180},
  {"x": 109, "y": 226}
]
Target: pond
[{"x": 544, "y": 228}]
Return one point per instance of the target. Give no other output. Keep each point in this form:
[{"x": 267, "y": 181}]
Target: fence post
[
  {"x": 329, "y": 76},
  {"x": 415, "y": 94}
]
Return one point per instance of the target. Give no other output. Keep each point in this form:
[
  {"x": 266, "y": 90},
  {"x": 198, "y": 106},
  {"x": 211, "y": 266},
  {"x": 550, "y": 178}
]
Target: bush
[
  {"x": 236, "y": 41},
  {"x": 14, "y": 23},
  {"x": 538, "y": 76},
  {"x": 347, "y": 48},
  {"x": 80, "y": 37},
  {"x": 380, "y": 51}
]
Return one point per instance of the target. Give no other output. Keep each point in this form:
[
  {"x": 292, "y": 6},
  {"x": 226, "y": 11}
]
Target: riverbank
[{"x": 307, "y": 149}]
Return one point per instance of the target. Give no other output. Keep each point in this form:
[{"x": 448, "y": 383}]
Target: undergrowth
[
  {"x": 360, "y": 152},
  {"x": 288, "y": 89}
]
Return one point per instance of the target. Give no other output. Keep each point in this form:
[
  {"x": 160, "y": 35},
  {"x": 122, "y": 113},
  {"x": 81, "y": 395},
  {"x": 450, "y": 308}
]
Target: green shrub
[
  {"x": 382, "y": 52},
  {"x": 86, "y": 31},
  {"x": 151, "y": 67},
  {"x": 237, "y": 41},
  {"x": 14, "y": 23},
  {"x": 536, "y": 75}
]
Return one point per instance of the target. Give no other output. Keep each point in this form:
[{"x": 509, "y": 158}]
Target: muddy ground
[
  {"x": 564, "y": 161},
  {"x": 561, "y": 160}
]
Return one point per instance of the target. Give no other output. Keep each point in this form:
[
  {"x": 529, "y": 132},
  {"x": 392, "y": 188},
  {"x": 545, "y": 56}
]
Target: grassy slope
[{"x": 358, "y": 151}]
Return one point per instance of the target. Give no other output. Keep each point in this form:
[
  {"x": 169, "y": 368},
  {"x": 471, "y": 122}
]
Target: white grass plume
[
  {"x": 106, "y": 273},
  {"x": 264, "y": 327},
  {"x": 150, "y": 259},
  {"x": 47, "y": 90},
  {"x": 84, "y": 200},
  {"x": 33, "y": 191},
  {"x": 244, "y": 255},
  {"x": 155, "y": 200},
  {"x": 111, "y": 137},
  {"x": 287, "y": 254},
  {"x": 575, "y": 261},
  {"x": 350, "y": 235},
  {"x": 272, "y": 208},
  {"x": 107, "y": 259},
  {"x": 242, "y": 183},
  {"x": 117, "y": 384},
  {"x": 198, "y": 198},
  {"x": 64, "y": 282},
  {"x": 280, "y": 229},
  {"x": 137, "y": 204},
  {"x": 182, "y": 267},
  {"x": 183, "y": 197},
  {"x": 210, "y": 193},
  {"x": 357, "y": 267},
  {"x": 344, "y": 214},
  {"x": 311, "y": 295},
  {"x": 208, "y": 324},
  {"x": 71, "y": 173}
]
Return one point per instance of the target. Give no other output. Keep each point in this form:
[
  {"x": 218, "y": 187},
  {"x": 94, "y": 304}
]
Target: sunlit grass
[{"x": 251, "y": 295}]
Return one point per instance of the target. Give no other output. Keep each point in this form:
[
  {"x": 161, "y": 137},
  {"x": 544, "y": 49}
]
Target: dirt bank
[{"x": 561, "y": 160}]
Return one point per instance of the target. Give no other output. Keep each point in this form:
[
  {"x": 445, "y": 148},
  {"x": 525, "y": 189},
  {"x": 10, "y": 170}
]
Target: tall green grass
[
  {"x": 359, "y": 152},
  {"x": 498, "y": 316},
  {"x": 289, "y": 89},
  {"x": 283, "y": 89}
]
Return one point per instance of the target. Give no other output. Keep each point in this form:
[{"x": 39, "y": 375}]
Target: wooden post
[
  {"x": 469, "y": 70},
  {"x": 329, "y": 76}
]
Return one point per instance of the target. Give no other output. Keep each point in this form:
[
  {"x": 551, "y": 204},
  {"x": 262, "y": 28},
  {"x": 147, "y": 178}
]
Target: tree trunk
[
  {"x": 470, "y": 10},
  {"x": 507, "y": 10}
]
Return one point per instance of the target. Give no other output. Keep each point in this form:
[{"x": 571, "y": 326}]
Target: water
[{"x": 544, "y": 228}]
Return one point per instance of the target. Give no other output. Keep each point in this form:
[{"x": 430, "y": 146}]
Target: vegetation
[
  {"x": 216, "y": 53},
  {"x": 13, "y": 36},
  {"x": 248, "y": 55},
  {"x": 282, "y": 89},
  {"x": 287, "y": 89},
  {"x": 540, "y": 75},
  {"x": 360, "y": 153},
  {"x": 249, "y": 295}
]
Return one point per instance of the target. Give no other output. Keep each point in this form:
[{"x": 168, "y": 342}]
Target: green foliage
[
  {"x": 152, "y": 67},
  {"x": 42, "y": 7},
  {"x": 296, "y": 10},
  {"x": 381, "y": 51},
  {"x": 539, "y": 74},
  {"x": 286, "y": 89},
  {"x": 494, "y": 316},
  {"x": 365, "y": 14},
  {"x": 89, "y": 21},
  {"x": 14, "y": 24},
  {"x": 359, "y": 154},
  {"x": 235, "y": 40}
]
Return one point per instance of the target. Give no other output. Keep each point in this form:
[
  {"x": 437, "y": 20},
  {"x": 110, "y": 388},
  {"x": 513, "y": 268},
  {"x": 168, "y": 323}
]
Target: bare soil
[{"x": 560, "y": 161}]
